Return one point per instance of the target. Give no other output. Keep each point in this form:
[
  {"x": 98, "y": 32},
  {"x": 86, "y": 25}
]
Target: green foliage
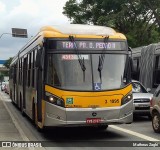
[
  {"x": 139, "y": 20},
  {"x": 1, "y": 77},
  {"x": 8, "y": 62},
  {"x": 2, "y": 74}
]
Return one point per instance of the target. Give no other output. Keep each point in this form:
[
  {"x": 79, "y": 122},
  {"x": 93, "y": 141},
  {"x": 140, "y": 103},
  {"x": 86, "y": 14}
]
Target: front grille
[
  {"x": 141, "y": 100},
  {"x": 142, "y": 108}
]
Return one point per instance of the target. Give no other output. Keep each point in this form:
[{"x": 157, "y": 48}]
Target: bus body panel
[
  {"x": 104, "y": 105},
  {"x": 146, "y": 65},
  {"x": 63, "y": 93},
  {"x": 56, "y": 116},
  {"x": 85, "y": 104}
]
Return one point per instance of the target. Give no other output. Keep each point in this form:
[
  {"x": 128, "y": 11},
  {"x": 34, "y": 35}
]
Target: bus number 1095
[{"x": 112, "y": 101}]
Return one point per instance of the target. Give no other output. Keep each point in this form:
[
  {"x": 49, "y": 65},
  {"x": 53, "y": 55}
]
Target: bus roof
[{"x": 80, "y": 30}]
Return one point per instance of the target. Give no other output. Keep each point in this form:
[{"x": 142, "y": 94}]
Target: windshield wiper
[
  {"x": 102, "y": 57},
  {"x": 80, "y": 59}
]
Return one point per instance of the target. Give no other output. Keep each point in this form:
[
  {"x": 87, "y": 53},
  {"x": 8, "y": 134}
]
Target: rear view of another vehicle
[
  {"x": 142, "y": 98},
  {"x": 155, "y": 110}
]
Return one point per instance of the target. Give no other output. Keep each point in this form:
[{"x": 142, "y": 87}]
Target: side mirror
[{"x": 148, "y": 90}]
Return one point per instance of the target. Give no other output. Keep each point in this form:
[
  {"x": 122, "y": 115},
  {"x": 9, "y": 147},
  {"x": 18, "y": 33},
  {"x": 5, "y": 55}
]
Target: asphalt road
[{"x": 138, "y": 133}]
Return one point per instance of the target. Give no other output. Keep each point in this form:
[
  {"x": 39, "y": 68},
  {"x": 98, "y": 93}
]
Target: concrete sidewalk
[{"x": 8, "y": 131}]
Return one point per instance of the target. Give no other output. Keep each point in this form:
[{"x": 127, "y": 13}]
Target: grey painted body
[{"x": 58, "y": 116}]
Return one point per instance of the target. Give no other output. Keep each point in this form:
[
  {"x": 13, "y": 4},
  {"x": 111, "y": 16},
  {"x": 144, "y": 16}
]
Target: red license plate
[{"x": 93, "y": 120}]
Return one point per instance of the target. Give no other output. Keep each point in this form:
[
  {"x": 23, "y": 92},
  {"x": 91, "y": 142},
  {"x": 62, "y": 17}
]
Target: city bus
[
  {"x": 73, "y": 75},
  {"x": 146, "y": 65}
]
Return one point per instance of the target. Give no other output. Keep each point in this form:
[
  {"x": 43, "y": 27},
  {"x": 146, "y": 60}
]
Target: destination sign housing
[{"x": 88, "y": 45}]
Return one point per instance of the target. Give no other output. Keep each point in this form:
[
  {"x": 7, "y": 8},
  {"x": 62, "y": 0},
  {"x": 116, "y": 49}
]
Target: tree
[
  {"x": 154, "y": 6},
  {"x": 138, "y": 20},
  {"x": 1, "y": 77},
  {"x": 8, "y": 62}
]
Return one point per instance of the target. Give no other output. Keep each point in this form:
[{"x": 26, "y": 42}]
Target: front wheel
[
  {"x": 41, "y": 130},
  {"x": 156, "y": 122},
  {"x": 102, "y": 127},
  {"x": 21, "y": 108},
  {"x": 149, "y": 117}
]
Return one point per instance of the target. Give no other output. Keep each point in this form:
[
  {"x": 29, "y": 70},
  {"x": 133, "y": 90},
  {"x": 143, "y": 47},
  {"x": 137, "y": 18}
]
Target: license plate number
[{"x": 93, "y": 120}]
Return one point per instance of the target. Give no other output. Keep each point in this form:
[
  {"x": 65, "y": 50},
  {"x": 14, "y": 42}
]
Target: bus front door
[{"x": 39, "y": 83}]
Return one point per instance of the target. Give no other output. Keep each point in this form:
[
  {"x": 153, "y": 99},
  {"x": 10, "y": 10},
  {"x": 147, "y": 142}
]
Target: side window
[
  {"x": 31, "y": 80},
  {"x": 33, "y": 67},
  {"x": 136, "y": 68},
  {"x": 157, "y": 92},
  {"x": 25, "y": 70},
  {"x": 20, "y": 69},
  {"x": 135, "y": 64},
  {"x": 157, "y": 62},
  {"x": 29, "y": 68},
  {"x": 138, "y": 88},
  {"x": 14, "y": 74},
  {"x": 50, "y": 71},
  {"x": 52, "y": 78},
  {"x": 156, "y": 76},
  {"x": 35, "y": 55}
]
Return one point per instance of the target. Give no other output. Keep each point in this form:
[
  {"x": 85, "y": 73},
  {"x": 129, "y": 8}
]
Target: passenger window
[
  {"x": 157, "y": 71},
  {"x": 29, "y": 68},
  {"x": 157, "y": 92},
  {"x": 136, "y": 64},
  {"x": 137, "y": 88},
  {"x": 33, "y": 67}
]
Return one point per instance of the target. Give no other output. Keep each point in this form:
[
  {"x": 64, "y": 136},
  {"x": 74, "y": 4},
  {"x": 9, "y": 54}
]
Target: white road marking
[{"x": 142, "y": 136}]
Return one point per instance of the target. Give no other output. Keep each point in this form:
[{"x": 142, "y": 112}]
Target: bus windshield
[{"x": 64, "y": 72}]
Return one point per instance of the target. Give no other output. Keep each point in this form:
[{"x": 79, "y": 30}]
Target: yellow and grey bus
[{"x": 73, "y": 75}]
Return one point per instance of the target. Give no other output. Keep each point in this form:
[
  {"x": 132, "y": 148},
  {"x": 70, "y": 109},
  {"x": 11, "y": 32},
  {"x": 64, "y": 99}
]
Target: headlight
[
  {"x": 127, "y": 98},
  {"x": 54, "y": 99}
]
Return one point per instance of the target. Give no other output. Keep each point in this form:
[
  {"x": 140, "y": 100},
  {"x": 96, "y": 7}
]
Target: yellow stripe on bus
[{"x": 90, "y": 99}]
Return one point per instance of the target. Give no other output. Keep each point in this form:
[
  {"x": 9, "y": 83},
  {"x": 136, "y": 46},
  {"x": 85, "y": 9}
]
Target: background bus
[
  {"x": 146, "y": 65},
  {"x": 73, "y": 75}
]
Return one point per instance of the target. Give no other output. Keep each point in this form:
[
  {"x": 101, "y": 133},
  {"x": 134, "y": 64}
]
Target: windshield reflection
[{"x": 64, "y": 72}]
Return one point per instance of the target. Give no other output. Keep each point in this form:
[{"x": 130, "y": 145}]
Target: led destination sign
[{"x": 92, "y": 45}]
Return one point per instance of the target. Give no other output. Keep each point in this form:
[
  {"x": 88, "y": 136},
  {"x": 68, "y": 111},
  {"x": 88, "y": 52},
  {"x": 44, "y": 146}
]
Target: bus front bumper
[{"x": 58, "y": 116}]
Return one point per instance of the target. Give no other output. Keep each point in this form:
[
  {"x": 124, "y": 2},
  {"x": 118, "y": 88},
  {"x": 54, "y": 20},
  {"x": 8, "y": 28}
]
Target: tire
[
  {"x": 156, "y": 122},
  {"x": 41, "y": 130},
  {"x": 102, "y": 127},
  {"x": 23, "y": 113},
  {"x": 21, "y": 107},
  {"x": 33, "y": 114},
  {"x": 149, "y": 117}
]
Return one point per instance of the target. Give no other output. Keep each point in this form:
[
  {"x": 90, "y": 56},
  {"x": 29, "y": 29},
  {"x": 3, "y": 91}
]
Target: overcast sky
[{"x": 27, "y": 14}]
